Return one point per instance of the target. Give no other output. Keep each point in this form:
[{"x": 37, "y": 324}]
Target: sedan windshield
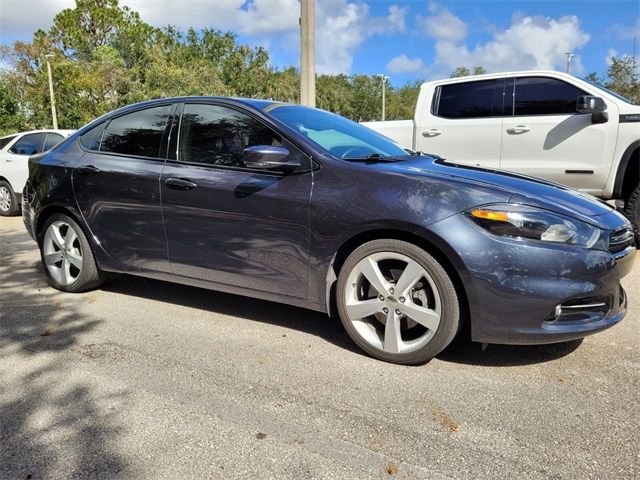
[{"x": 340, "y": 137}]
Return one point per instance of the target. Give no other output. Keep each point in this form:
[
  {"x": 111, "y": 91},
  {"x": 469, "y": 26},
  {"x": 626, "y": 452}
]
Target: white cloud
[
  {"x": 530, "y": 42},
  {"x": 627, "y": 32},
  {"x": 441, "y": 24},
  {"x": 342, "y": 26},
  {"x": 19, "y": 21},
  {"x": 610, "y": 53},
  {"x": 404, "y": 64},
  {"x": 258, "y": 17}
]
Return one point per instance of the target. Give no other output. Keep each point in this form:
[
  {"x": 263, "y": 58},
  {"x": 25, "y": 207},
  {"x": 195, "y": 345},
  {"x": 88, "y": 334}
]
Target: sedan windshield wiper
[{"x": 376, "y": 157}]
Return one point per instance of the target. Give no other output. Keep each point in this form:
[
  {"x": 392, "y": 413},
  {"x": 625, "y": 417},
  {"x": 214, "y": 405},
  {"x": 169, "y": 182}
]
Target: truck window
[
  {"x": 470, "y": 99},
  {"x": 544, "y": 96}
]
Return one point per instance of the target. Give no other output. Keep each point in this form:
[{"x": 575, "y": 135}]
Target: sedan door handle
[
  {"x": 434, "y": 132},
  {"x": 180, "y": 184},
  {"x": 88, "y": 170},
  {"x": 518, "y": 129}
]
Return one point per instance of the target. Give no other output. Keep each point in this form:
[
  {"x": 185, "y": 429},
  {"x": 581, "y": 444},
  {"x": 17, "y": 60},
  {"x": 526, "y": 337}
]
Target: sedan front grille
[{"x": 621, "y": 239}]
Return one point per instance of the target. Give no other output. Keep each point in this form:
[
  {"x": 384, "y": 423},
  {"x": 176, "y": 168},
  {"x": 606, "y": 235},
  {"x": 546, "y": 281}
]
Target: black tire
[
  {"x": 89, "y": 276},
  {"x": 632, "y": 209},
  {"x": 13, "y": 207},
  {"x": 450, "y": 304}
]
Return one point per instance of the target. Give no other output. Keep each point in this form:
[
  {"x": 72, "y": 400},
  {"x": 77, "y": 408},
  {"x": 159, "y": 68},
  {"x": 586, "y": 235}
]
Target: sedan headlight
[{"x": 522, "y": 222}]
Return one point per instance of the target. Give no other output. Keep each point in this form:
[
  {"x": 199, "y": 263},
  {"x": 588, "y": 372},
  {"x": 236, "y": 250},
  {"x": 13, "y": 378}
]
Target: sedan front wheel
[{"x": 397, "y": 302}]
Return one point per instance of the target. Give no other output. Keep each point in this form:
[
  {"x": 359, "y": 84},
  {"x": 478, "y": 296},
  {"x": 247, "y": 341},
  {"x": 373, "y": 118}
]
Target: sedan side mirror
[
  {"x": 593, "y": 105},
  {"x": 267, "y": 157}
]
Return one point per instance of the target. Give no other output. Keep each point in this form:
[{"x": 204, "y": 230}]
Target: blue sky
[{"x": 403, "y": 39}]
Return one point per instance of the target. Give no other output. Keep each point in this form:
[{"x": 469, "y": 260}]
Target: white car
[{"x": 14, "y": 152}]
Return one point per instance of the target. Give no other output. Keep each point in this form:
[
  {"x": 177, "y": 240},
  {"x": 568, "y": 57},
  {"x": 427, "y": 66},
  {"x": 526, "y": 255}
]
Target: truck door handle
[
  {"x": 518, "y": 129},
  {"x": 88, "y": 170},
  {"x": 180, "y": 184},
  {"x": 434, "y": 132}
]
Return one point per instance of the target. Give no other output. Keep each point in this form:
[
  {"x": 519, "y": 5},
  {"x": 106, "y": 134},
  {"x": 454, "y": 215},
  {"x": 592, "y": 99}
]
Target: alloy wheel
[
  {"x": 5, "y": 199},
  {"x": 392, "y": 302},
  {"x": 62, "y": 252}
]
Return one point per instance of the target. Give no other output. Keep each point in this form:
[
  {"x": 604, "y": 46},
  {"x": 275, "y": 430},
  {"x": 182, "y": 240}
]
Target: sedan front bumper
[{"x": 527, "y": 292}]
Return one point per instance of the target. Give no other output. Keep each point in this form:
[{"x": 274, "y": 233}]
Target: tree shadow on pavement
[{"x": 51, "y": 426}]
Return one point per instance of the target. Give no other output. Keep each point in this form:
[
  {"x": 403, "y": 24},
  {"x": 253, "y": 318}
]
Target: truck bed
[{"x": 401, "y": 131}]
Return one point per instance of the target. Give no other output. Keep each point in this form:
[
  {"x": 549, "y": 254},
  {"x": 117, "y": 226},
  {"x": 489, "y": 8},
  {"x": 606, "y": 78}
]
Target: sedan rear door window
[
  {"x": 91, "y": 139},
  {"x": 139, "y": 133}
]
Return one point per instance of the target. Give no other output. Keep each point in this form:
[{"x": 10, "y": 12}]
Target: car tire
[
  {"x": 8, "y": 201},
  {"x": 397, "y": 302},
  {"x": 632, "y": 209},
  {"x": 67, "y": 257}
]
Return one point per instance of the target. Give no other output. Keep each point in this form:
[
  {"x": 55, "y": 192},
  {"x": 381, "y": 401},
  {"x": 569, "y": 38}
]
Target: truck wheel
[{"x": 632, "y": 209}]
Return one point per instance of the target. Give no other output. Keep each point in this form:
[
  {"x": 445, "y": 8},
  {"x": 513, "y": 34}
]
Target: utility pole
[
  {"x": 307, "y": 53},
  {"x": 384, "y": 79},
  {"x": 570, "y": 56},
  {"x": 53, "y": 100}
]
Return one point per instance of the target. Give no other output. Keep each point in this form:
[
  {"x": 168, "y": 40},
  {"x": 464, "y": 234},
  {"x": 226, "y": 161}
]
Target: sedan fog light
[
  {"x": 582, "y": 309},
  {"x": 558, "y": 312}
]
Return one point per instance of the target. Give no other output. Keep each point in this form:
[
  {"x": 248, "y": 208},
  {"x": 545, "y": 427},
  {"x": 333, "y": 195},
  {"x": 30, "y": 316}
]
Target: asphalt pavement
[{"x": 144, "y": 379}]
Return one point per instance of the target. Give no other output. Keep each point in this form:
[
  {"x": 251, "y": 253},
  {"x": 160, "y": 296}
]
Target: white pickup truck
[{"x": 541, "y": 123}]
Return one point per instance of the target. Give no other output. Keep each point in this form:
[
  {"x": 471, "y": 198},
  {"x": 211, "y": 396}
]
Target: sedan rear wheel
[
  {"x": 397, "y": 302},
  {"x": 67, "y": 256}
]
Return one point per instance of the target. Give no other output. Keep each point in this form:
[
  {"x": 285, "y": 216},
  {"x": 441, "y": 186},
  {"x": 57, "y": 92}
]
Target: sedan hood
[{"x": 523, "y": 189}]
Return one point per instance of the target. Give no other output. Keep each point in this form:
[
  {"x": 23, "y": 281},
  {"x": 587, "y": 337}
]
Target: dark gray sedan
[{"x": 304, "y": 207}]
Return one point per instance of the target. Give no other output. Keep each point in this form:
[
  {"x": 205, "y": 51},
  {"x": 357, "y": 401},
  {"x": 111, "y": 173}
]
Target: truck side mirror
[{"x": 593, "y": 105}]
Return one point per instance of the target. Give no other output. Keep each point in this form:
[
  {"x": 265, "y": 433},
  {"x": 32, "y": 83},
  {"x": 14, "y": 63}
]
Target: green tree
[
  {"x": 401, "y": 103},
  {"x": 335, "y": 93},
  {"x": 104, "y": 56},
  {"x": 465, "y": 72},
  {"x": 622, "y": 77},
  {"x": 91, "y": 24},
  {"x": 460, "y": 72},
  {"x": 367, "y": 98},
  {"x": 12, "y": 116}
]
